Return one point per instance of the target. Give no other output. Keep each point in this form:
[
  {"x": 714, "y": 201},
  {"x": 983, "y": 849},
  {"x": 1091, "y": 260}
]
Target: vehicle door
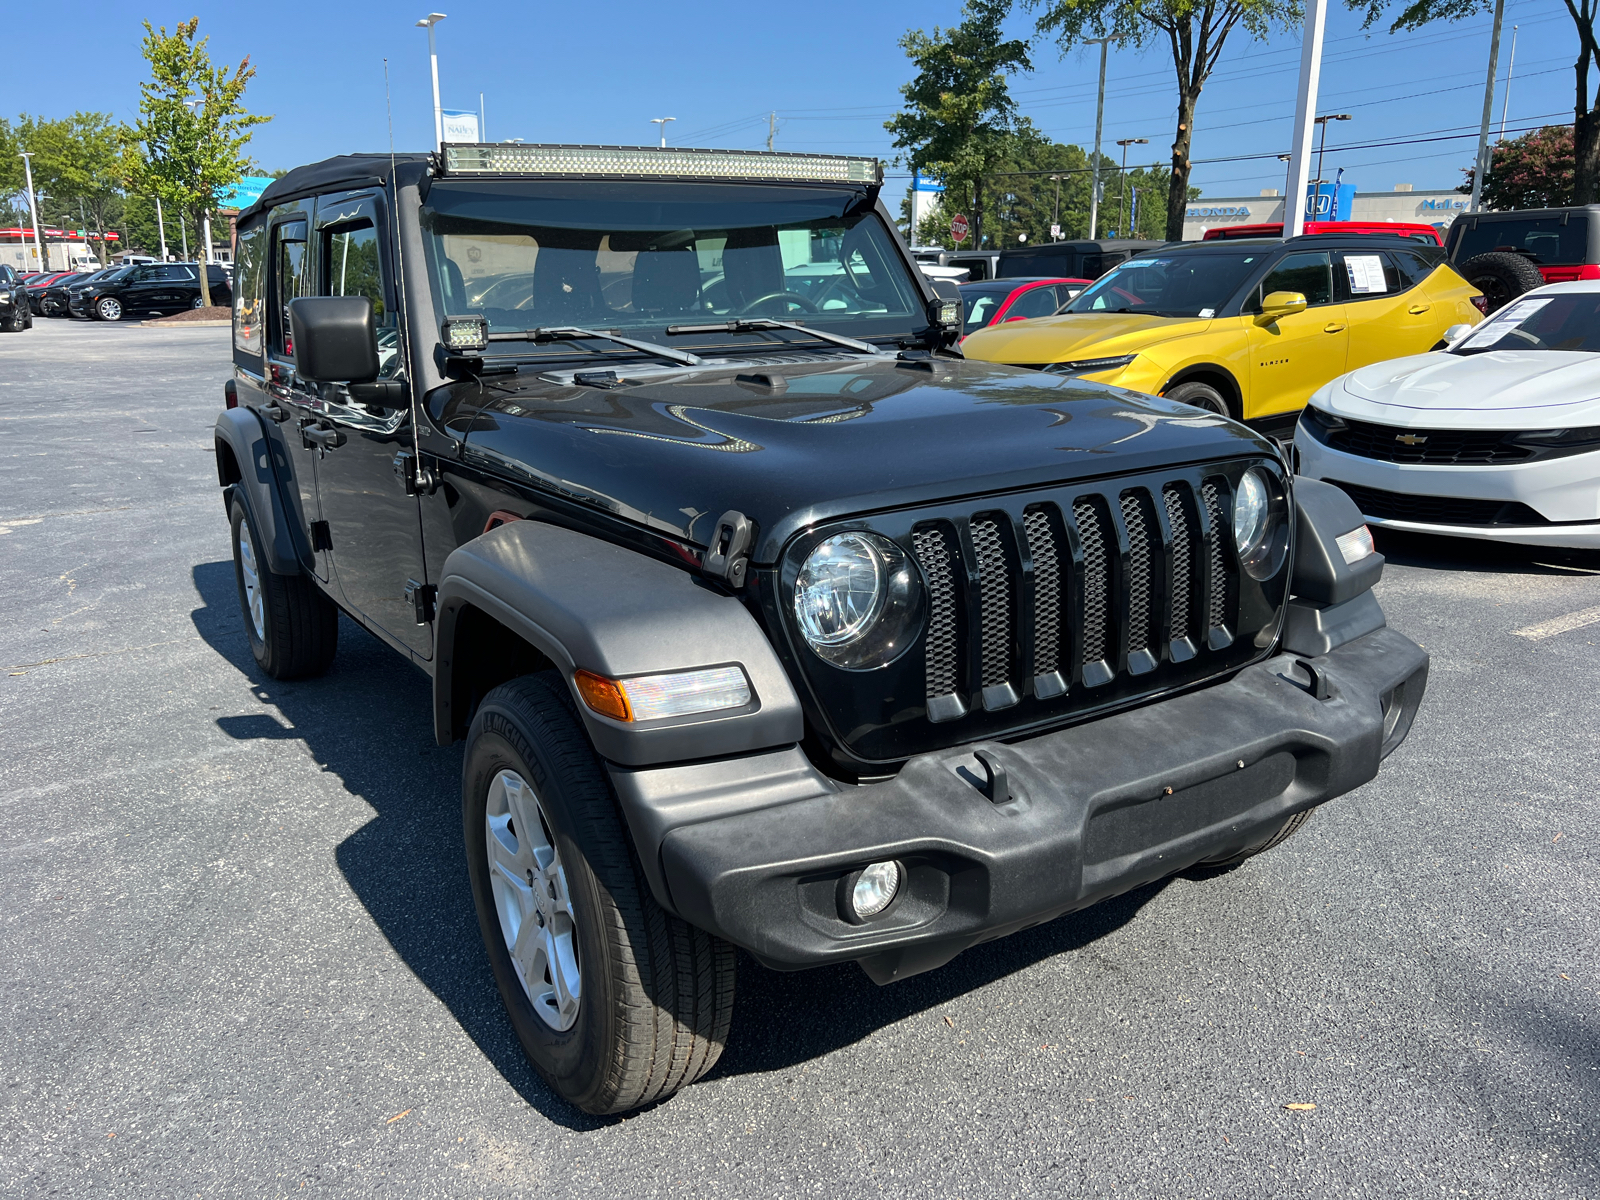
[
  {"x": 182, "y": 287},
  {"x": 374, "y": 527},
  {"x": 294, "y": 405},
  {"x": 1389, "y": 315},
  {"x": 1293, "y": 355}
]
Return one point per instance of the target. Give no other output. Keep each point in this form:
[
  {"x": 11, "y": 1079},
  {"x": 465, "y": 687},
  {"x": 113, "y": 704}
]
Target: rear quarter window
[{"x": 247, "y": 273}]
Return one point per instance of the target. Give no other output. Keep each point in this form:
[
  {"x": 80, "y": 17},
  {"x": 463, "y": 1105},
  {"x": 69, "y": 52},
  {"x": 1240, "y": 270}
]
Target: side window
[
  {"x": 1413, "y": 268},
  {"x": 247, "y": 274},
  {"x": 1038, "y": 302},
  {"x": 350, "y": 264},
  {"x": 174, "y": 274},
  {"x": 1309, "y": 272},
  {"x": 288, "y": 268},
  {"x": 1363, "y": 275},
  {"x": 143, "y": 275}
]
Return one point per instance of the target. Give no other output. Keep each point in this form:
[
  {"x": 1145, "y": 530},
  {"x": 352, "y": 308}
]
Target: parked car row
[{"x": 112, "y": 293}]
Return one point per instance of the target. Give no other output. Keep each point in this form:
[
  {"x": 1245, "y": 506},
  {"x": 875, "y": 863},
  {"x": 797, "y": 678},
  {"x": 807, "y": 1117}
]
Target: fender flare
[
  {"x": 260, "y": 487},
  {"x": 585, "y": 603},
  {"x": 1186, "y": 372}
]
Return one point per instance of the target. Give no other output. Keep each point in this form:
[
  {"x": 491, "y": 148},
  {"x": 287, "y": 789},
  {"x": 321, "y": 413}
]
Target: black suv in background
[
  {"x": 14, "y": 313},
  {"x": 155, "y": 289},
  {"x": 54, "y": 299}
]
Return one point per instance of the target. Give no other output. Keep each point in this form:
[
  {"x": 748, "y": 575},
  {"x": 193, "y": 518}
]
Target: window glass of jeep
[
  {"x": 350, "y": 267},
  {"x": 637, "y": 258},
  {"x": 247, "y": 310},
  {"x": 289, "y": 260},
  {"x": 1547, "y": 241}
]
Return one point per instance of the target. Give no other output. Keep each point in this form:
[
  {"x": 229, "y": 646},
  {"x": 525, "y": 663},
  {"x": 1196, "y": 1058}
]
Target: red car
[
  {"x": 992, "y": 301},
  {"x": 1406, "y": 229}
]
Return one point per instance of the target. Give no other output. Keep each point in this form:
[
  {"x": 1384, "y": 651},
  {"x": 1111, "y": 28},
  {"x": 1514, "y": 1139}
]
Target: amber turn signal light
[{"x": 603, "y": 695}]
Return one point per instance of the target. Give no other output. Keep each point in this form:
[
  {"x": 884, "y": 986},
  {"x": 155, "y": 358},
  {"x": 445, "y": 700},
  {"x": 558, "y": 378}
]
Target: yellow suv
[{"x": 1245, "y": 328}]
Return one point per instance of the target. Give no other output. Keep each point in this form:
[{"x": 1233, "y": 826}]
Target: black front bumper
[{"x": 1094, "y": 811}]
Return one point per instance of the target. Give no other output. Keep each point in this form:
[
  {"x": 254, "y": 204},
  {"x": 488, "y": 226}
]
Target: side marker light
[{"x": 1355, "y": 545}]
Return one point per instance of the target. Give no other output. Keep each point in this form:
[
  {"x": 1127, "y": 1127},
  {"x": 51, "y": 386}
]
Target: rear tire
[
  {"x": 1201, "y": 395},
  {"x": 1274, "y": 837},
  {"x": 623, "y": 1003},
  {"x": 293, "y": 628},
  {"x": 1501, "y": 276}
]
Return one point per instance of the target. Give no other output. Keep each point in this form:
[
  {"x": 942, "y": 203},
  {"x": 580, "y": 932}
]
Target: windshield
[
  {"x": 979, "y": 305},
  {"x": 638, "y": 258},
  {"x": 1559, "y": 322},
  {"x": 1182, "y": 285}
]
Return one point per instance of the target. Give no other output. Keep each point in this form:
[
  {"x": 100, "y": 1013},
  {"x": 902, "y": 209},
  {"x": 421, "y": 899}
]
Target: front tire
[
  {"x": 293, "y": 628},
  {"x": 1275, "y": 836},
  {"x": 616, "y": 1002},
  {"x": 1201, "y": 395},
  {"x": 108, "y": 308}
]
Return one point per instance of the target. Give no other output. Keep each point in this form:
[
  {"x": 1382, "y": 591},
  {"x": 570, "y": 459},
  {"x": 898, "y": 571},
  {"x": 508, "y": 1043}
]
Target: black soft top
[{"x": 329, "y": 175}]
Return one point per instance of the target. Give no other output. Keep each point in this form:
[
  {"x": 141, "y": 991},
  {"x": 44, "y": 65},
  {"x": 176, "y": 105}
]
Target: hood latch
[{"x": 729, "y": 553}]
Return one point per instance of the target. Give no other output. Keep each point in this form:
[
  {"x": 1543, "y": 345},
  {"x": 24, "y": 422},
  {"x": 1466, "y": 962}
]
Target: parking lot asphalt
[{"x": 238, "y": 954}]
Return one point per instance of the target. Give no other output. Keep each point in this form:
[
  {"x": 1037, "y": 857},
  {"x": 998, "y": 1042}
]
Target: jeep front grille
[{"x": 1146, "y": 576}]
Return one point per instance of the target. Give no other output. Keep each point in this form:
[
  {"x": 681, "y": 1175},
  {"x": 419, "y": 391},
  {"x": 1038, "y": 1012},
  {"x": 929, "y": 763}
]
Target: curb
[{"x": 185, "y": 325}]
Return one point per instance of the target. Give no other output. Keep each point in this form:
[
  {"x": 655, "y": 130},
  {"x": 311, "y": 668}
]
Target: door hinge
[
  {"x": 421, "y": 596},
  {"x": 321, "y": 536},
  {"x": 417, "y": 480},
  {"x": 729, "y": 553}
]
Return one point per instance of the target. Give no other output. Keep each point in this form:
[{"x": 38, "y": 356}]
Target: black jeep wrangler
[{"x": 768, "y": 620}]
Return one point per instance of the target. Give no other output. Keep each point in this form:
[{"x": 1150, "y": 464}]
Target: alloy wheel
[
  {"x": 109, "y": 309},
  {"x": 252, "y": 580},
  {"x": 532, "y": 900}
]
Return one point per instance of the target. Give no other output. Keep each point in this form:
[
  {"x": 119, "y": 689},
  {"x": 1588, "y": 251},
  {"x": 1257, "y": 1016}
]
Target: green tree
[
  {"x": 960, "y": 122},
  {"x": 1586, "y": 107},
  {"x": 1532, "y": 171},
  {"x": 78, "y": 163},
  {"x": 1194, "y": 30},
  {"x": 192, "y": 125}
]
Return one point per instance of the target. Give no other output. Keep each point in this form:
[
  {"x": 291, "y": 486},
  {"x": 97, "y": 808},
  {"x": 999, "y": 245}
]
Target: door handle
[
  {"x": 1417, "y": 309},
  {"x": 275, "y": 412},
  {"x": 1333, "y": 327},
  {"x": 321, "y": 438}
]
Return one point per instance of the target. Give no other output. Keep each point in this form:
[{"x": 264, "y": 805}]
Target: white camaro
[{"x": 1497, "y": 437}]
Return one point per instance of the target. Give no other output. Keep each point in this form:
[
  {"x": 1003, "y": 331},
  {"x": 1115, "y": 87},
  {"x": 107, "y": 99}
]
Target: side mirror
[
  {"x": 335, "y": 340},
  {"x": 1280, "y": 304},
  {"x": 1456, "y": 332}
]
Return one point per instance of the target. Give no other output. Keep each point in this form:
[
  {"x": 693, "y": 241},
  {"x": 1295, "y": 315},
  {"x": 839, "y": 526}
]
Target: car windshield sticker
[
  {"x": 1510, "y": 316},
  {"x": 1207, "y": 313},
  {"x": 1366, "y": 274}
]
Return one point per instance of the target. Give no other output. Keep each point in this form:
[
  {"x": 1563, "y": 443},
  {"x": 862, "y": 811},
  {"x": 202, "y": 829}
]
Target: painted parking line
[{"x": 1573, "y": 620}]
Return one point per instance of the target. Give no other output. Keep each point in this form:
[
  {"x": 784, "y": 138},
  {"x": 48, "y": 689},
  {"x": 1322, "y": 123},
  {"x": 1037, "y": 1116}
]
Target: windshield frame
[{"x": 503, "y": 207}]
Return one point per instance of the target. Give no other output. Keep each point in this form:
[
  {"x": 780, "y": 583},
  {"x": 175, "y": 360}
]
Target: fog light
[{"x": 874, "y": 890}]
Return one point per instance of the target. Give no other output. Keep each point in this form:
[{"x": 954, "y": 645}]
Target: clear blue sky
[{"x": 831, "y": 70}]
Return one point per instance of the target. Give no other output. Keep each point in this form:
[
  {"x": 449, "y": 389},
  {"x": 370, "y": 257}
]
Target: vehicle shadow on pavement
[
  {"x": 784, "y": 1018},
  {"x": 368, "y": 721}
]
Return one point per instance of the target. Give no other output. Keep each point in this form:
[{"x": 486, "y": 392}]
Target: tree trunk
[
  {"x": 202, "y": 256},
  {"x": 1178, "y": 191},
  {"x": 1585, "y": 127}
]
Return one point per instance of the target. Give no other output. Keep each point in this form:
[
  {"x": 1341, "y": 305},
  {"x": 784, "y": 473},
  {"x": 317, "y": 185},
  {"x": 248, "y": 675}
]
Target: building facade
[{"x": 1425, "y": 208}]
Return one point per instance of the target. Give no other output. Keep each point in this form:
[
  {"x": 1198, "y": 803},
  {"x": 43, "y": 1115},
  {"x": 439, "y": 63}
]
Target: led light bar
[
  {"x": 650, "y": 162},
  {"x": 466, "y": 333}
]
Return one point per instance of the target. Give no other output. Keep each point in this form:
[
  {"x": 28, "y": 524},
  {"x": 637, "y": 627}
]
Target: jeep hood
[
  {"x": 1076, "y": 335},
  {"x": 674, "y": 448}
]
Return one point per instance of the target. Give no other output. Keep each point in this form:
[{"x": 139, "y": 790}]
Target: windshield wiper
[
  {"x": 759, "y": 324},
  {"x": 570, "y": 333}
]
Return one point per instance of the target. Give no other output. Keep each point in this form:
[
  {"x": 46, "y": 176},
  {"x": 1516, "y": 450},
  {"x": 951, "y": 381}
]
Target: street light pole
[
  {"x": 1482, "y": 162},
  {"x": 662, "y": 121},
  {"x": 1055, "y": 221},
  {"x": 428, "y": 22},
  {"x": 1322, "y": 148},
  {"x": 1122, "y": 183},
  {"x": 1510, "y": 69},
  {"x": 33, "y": 206},
  {"x": 1099, "y": 119}
]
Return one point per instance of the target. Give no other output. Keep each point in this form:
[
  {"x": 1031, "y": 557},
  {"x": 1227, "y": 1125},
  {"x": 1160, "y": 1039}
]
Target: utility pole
[
  {"x": 1321, "y": 149},
  {"x": 1099, "y": 120},
  {"x": 1305, "y": 108},
  {"x": 1482, "y": 167},
  {"x": 161, "y": 229},
  {"x": 772, "y": 128},
  {"x": 662, "y": 121},
  {"x": 1510, "y": 67},
  {"x": 1122, "y": 184},
  {"x": 33, "y": 205},
  {"x": 428, "y": 22},
  {"x": 1055, "y": 221}
]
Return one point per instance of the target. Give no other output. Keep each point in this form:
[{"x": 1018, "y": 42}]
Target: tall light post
[
  {"x": 205, "y": 225},
  {"x": 1305, "y": 108},
  {"x": 662, "y": 121},
  {"x": 1482, "y": 162},
  {"x": 1099, "y": 119},
  {"x": 428, "y": 22},
  {"x": 1055, "y": 221},
  {"x": 33, "y": 205},
  {"x": 1122, "y": 188},
  {"x": 1510, "y": 70},
  {"x": 1322, "y": 148}
]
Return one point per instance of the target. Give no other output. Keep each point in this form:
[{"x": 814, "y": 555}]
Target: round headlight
[
  {"x": 858, "y": 601},
  {"x": 1260, "y": 524}
]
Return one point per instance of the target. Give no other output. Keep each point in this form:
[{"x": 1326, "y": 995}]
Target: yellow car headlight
[{"x": 1090, "y": 366}]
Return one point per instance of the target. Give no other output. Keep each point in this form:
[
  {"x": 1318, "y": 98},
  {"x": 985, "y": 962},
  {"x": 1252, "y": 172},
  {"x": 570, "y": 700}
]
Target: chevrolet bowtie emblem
[{"x": 1410, "y": 439}]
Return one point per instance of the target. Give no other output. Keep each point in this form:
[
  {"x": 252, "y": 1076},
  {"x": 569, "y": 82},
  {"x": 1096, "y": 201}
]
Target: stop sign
[{"x": 958, "y": 228}]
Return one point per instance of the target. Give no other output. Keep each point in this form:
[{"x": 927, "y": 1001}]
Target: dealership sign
[{"x": 1221, "y": 210}]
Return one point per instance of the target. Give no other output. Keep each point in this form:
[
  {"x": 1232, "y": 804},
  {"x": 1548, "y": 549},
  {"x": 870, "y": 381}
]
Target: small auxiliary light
[
  {"x": 652, "y": 697},
  {"x": 870, "y": 892},
  {"x": 949, "y": 312},
  {"x": 466, "y": 333},
  {"x": 1355, "y": 545}
]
